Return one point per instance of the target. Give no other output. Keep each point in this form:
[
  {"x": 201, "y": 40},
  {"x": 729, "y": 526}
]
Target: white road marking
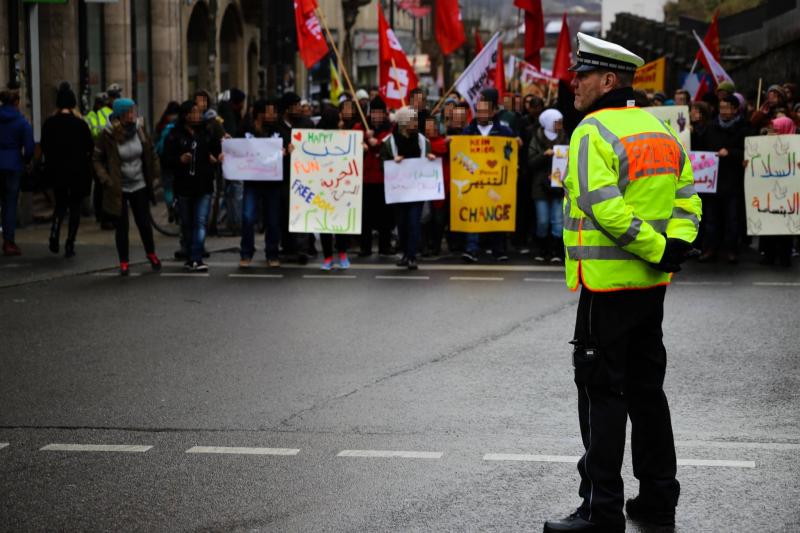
[
  {"x": 475, "y": 278},
  {"x": 701, "y": 283},
  {"x": 327, "y": 276},
  {"x": 185, "y": 274},
  {"x": 390, "y": 453},
  {"x": 404, "y": 277},
  {"x": 391, "y": 266},
  {"x": 529, "y": 457},
  {"x": 777, "y": 446},
  {"x": 242, "y": 450},
  {"x": 131, "y": 448},
  {"x": 269, "y": 276},
  {"x": 116, "y": 274},
  {"x": 546, "y": 280},
  {"x": 776, "y": 284},
  {"x": 3, "y": 445},
  {"x": 711, "y": 462}
]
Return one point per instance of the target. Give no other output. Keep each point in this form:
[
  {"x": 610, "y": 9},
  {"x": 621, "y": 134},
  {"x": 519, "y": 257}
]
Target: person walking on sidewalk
[
  {"x": 67, "y": 146},
  {"x": 192, "y": 151},
  {"x": 16, "y": 150},
  {"x": 126, "y": 164}
]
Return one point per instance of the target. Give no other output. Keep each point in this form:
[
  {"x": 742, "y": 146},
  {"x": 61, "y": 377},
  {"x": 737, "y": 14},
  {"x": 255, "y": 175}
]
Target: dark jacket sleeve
[
  {"x": 171, "y": 158},
  {"x": 100, "y": 158},
  {"x": 27, "y": 141}
]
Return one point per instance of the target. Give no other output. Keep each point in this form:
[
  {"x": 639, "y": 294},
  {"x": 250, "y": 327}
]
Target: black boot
[
  {"x": 55, "y": 231},
  {"x": 642, "y": 511},
  {"x": 575, "y": 523},
  {"x": 72, "y": 232}
]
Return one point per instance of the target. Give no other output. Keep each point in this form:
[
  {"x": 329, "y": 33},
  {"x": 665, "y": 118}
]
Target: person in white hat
[{"x": 630, "y": 214}]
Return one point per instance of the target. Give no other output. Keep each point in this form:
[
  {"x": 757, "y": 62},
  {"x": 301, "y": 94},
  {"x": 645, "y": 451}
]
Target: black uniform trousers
[{"x": 620, "y": 361}]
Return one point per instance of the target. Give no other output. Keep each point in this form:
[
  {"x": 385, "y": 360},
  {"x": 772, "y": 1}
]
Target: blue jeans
[
  {"x": 271, "y": 194},
  {"x": 10, "y": 195},
  {"x": 233, "y": 202},
  {"x": 496, "y": 240},
  {"x": 549, "y": 215},
  {"x": 194, "y": 219},
  {"x": 409, "y": 227}
]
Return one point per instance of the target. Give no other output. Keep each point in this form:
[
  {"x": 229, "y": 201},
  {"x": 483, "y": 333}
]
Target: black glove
[{"x": 676, "y": 252}]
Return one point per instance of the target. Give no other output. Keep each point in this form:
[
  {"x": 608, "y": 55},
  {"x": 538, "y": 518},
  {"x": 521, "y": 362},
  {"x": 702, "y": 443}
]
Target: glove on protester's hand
[{"x": 676, "y": 252}]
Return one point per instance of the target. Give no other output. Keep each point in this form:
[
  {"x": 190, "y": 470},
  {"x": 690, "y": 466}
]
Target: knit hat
[
  {"x": 377, "y": 103},
  {"x": 122, "y": 106},
  {"x": 361, "y": 94},
  {"x": 65, "y": 98},
  {"x": 727, "y": 86},
  {"x": 778, "y": 89}
]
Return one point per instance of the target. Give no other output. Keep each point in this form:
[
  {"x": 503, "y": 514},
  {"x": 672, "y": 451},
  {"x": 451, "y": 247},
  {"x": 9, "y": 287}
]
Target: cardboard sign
[
  {"x": 772, "y": 184},
  {"x": 252, "y": 159},
  {"x": 705, "y": 166},
  {"x": 483, "y": 183},
  {"x": 677, "y": 117},
  {"x": 559, "y": 169},
  {"x": 413, "y": 180},
  {"x": 326, "y": 181}
]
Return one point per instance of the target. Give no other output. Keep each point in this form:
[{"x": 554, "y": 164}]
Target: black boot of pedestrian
[
  {"x": 72, "y": 232},
  {"x": 574, "y": 523},
  {"x": 642, "y": 511},
  {"x": 55, "y": 231},
  {"x": 69, "y": 249}
]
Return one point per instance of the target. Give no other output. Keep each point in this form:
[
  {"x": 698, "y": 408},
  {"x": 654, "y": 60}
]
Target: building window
[
  {"x": 92, "y": 53},
  {"x": 197, "y": 49},
  {"x": 230, "y": 50},
  {"x": 142, "y": 79}
]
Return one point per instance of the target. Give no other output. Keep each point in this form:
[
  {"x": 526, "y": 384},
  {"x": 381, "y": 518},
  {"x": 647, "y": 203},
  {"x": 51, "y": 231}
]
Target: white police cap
[{"x": 594, "y": 53}]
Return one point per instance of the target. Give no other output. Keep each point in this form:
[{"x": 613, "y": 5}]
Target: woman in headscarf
[
  {"x": 547, "y": 196},
  {"x": 126, "y": 165},
  {"x": 67, "y": 147}
]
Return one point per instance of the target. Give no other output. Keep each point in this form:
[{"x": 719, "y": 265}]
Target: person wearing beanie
[
  {"x": 67, "y": 147},
  {"x": 775, "y": 102},
  {"x": 725, "y": 88},
  {"x": 126, "y": 164},
  {"x": 377, "y": 215}
]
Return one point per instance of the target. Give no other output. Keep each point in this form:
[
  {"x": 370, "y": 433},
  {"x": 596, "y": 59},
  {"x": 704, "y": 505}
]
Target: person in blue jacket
[{"x": 16, "y": 150}]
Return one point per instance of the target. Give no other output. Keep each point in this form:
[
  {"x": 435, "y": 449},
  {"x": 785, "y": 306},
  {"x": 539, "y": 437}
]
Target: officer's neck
[{"x": 614, "y": 98}]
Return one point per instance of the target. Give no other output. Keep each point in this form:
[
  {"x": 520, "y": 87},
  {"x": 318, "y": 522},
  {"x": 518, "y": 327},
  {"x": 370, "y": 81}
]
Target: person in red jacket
[
  {"x": 433, "y": 231},
  {"x": 377, "y": 215}
]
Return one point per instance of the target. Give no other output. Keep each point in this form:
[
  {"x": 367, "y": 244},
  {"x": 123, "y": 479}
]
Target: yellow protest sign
[
  {"x": 483, "y": 183},
  {"x": 650, "y": 76}
]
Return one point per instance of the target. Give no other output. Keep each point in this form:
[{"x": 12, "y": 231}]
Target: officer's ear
[{"x": 609, "y": 80}]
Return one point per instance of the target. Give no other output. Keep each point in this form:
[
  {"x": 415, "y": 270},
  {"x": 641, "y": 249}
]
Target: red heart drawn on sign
[
  {"x": 298, "y": 136},
  {"x": 492, "y": 163}
]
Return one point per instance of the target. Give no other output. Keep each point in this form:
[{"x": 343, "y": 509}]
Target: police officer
[{"x": 630, "y": 212}]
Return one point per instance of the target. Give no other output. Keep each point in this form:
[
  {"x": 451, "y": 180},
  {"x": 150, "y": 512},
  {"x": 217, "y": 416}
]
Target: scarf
[
  {"x": 407, "y": 146},
  {"x": 547, "y": 120},
  {"x": 725, "y": 124}
]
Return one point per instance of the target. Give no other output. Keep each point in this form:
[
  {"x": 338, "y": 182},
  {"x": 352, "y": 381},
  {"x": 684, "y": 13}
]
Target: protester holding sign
[
  {"x": 547, "y": 198},
  {"x": 330, "y": 120},
  {"x": 405, "y": 143},
  {"x": 377, "y": 215}
]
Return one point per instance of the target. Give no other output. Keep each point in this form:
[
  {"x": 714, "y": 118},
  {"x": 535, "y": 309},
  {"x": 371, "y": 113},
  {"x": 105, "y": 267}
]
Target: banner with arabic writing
[
  {"x": 413, "y": 180},
  {"x": 326, "y": 181},
  {"x": 772, "y": 184},
  {"x": 705, "y": 166},
  {"x": 483, "y": 183}
]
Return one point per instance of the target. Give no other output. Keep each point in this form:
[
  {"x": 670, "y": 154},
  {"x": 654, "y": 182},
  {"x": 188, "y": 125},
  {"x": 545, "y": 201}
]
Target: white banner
[
  {"x": 253, "y": 159},
  {"x": 772, "y": 184},
  {"x": 705, "y": 166},
  {"x": 677, "y": 117},
  {"x": 477, "y": 76},
  {"x": 326, "y": 181},
  {"x": 559, "y": 169},
  {"x": 413, "y": 180}
]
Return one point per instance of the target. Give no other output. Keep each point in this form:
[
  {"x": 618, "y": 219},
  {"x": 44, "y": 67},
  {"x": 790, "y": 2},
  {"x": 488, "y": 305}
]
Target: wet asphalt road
[{"x": 449, "y": 369}]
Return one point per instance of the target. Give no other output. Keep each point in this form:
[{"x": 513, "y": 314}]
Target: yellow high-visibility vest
[{"x": 629, "y": 182}]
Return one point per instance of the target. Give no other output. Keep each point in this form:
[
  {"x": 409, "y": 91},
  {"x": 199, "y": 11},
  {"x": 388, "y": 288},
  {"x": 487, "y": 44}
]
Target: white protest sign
[
  {"x": 705, "y": 166},
  {"x": 559, "y": 169},
  {"x": 413, "y": 180},
  {"x": 326, "y": 181},
  {"x": 677, "y": 117},
  {"x": 253, "y": 159},
  {"x": 772, "y": 185}
]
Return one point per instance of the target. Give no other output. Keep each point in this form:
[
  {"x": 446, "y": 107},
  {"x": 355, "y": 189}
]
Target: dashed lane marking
[
  {"x": 242, "y": 450},
  {"x": 128, "y": 448},
  {"x": 185, "y": 274},
  {"x": 575, "y": 458},
  {"x": 713, "y": 462},
  {"x": 391, "y": 266},
  {"x": 390, "y": 454},
  {"x": 475, "y": 278},
  {"x": 545, "y": 280},
  {"x": 412, "y": 278},
  {"x": 3, "y": 445},
  {"x": 702, "y": 283},
  {"x": 776, "y": 284},
  {"x": 116, "y": 274},
  {"x": 327, "y": 276},
  {"x": 266, "y": 276},
  {"x": 776, "y": 446}
]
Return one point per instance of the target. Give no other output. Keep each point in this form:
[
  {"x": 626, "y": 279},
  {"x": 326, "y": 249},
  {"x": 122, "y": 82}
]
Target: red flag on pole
[
  {"x": 711, "y": 40},
  {"x": 310, "y": 40},
  {"x": 478, "y": 42},
  {"x": 534, "y": 30},
  {"x": 449, "y": 28},
  {"x": 396, "y": 75},
  {"x": 500, "y": 72},
  {"x": 563, "y": 58}
]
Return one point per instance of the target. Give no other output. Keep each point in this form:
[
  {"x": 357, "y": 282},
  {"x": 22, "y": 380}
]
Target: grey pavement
[{"x": 446, "y": 365}]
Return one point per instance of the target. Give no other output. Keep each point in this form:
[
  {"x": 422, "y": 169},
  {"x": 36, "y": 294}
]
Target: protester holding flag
[{"x": 377, "y": 215}]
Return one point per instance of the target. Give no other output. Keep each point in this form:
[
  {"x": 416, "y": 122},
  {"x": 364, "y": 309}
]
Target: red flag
[
  {"x": 534, "y": 30},
  {"x": 310, "y": 41},
  {"x": 478, "y": 42},
  {"x": 701, "y": 91},
  {"x": 563, "y": 58},
  {"x": 711, "y": 40},
  {"x": 500, "y": 72},
  {"x": 449, "y": 28},
  {"x": 396, "y": 75}
]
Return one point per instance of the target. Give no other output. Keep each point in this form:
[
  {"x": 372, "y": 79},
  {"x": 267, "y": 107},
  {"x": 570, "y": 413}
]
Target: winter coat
[
  {"x": 108, "y": 165},
  {"x": 67, "y": 146},
  {"x": 195, "y": 178},
  {"x": 540, "y": 165},
  {"x": 731, "y": 170},
  {"x": 373, "y": 164},
  {"x": 16, "y": 139}
]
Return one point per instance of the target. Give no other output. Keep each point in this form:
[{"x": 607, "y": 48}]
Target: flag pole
[
  {"x": 758, "y": 97},
  {"x": 321, "y": 17},
  {"x": 444, "y": 96}
]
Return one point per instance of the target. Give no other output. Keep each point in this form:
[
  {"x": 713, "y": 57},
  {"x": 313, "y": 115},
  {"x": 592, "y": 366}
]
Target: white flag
[
  {"x": 716, "y": 69},
  {"x": 479, "y": 74}
]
